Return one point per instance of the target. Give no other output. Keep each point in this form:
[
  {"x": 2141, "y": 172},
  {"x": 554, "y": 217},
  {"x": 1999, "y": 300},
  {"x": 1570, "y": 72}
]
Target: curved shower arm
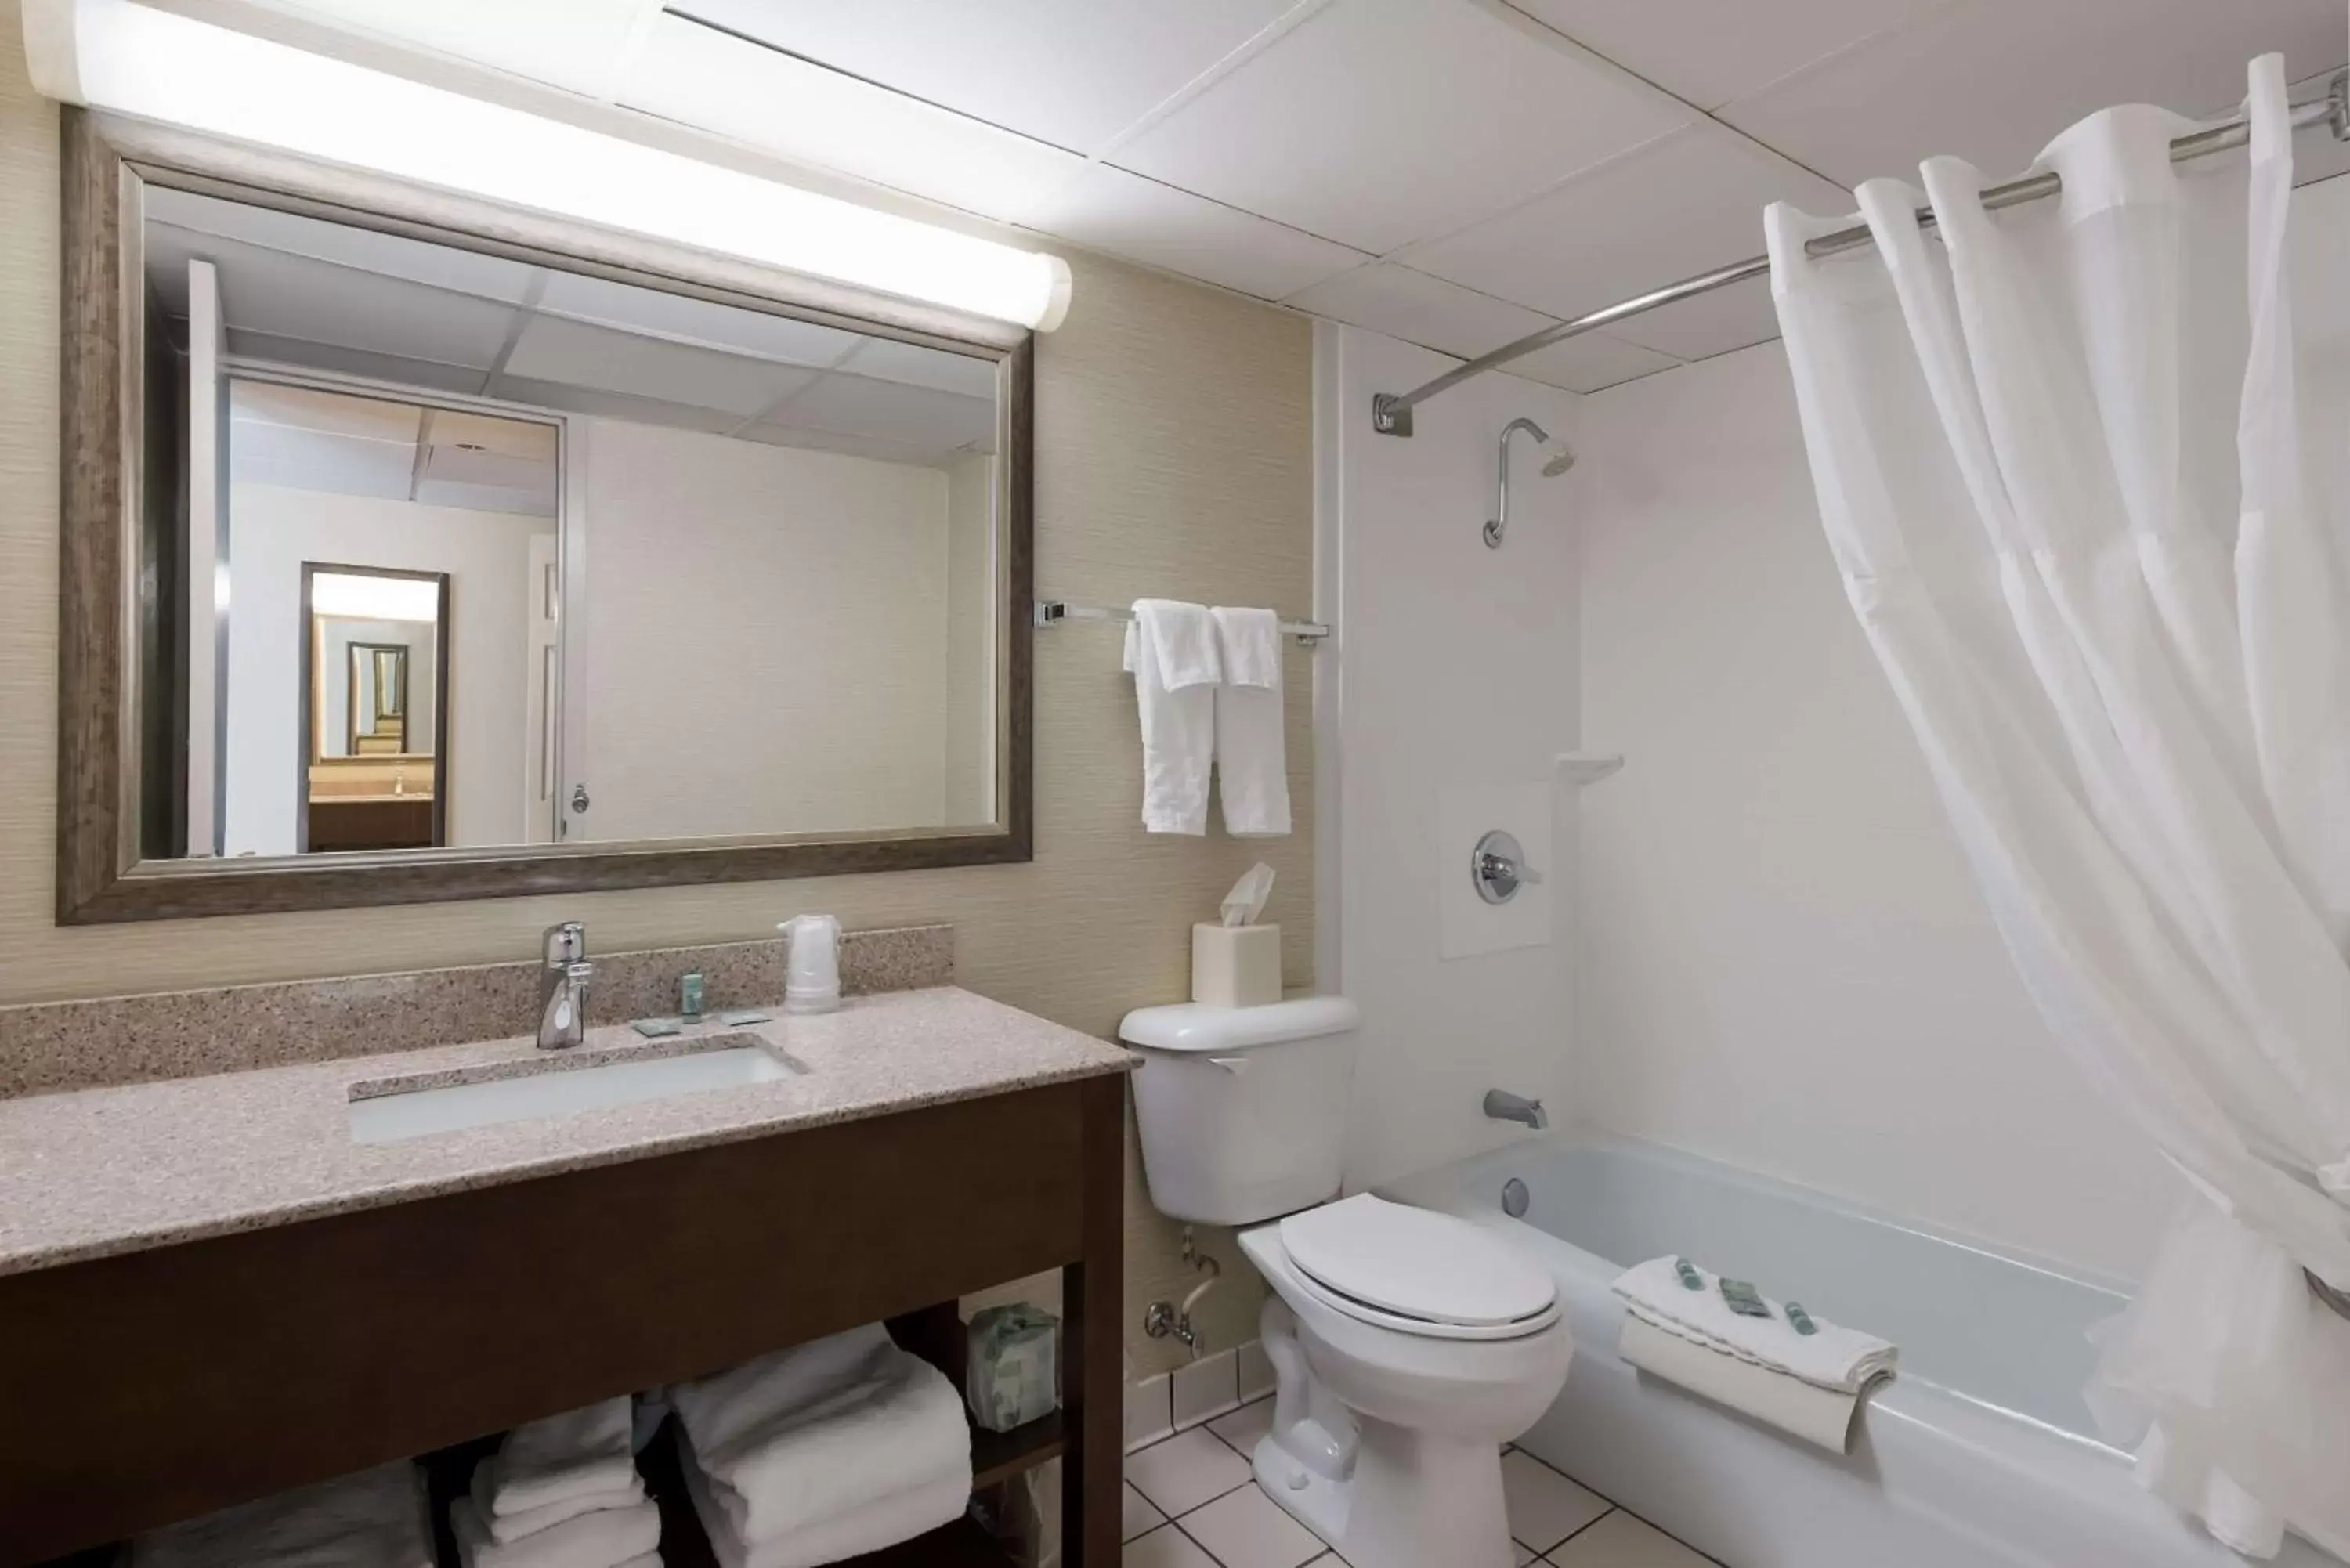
[{"x": 1499, "y": 524}]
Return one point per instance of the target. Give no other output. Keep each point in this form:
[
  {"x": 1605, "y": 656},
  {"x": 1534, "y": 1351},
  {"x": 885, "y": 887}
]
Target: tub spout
[{"x": 1505, "y": 1106}]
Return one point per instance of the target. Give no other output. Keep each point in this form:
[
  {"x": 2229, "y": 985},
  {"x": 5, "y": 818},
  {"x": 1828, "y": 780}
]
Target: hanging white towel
[
  {"x": 585, "y": 1452},
  {"x": 877, "y": 1523},
  {"x": 1840, "y": 1359},
  {"x": 1170, "y": 649},
  {"x": 604, "y": 1539},
  {"x": 1251, "y": 764},
  {"x": 816, "y": 1433},
  {"x": 505, "y": 1526},
  {"x": 374, "y": 1519}
]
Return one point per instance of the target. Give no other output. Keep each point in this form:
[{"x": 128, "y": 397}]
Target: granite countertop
[{"x": 97, "y": 1172}]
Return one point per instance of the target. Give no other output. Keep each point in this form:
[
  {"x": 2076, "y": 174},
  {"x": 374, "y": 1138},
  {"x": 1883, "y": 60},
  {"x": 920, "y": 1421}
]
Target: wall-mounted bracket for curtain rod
[
  {"x": 1051, "y": 612},
  {"x": 1391, "y": 412}
]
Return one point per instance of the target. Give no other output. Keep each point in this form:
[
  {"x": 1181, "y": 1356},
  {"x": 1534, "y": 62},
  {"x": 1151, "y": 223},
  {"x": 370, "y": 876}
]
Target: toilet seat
[{"x": 1417, "y": 1272}]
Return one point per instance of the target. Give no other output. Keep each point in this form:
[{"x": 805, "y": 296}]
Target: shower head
[{"x": 1557, "y": 458}]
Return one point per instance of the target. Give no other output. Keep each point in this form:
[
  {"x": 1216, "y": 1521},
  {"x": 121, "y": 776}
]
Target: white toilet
[{"x": 1407, "y": 1345}]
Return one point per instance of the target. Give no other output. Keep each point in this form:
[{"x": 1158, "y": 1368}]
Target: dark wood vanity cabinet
[{"x": 162, "y": 1384}]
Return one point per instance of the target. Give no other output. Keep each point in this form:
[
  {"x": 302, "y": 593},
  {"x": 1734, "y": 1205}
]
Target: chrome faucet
[
  {"x": 563, "y": 986},
  {"x": 1505, "y": 1106}
]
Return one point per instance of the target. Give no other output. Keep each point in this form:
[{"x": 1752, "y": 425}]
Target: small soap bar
[
  {"x": 737, "y": 1020},
  {"x": 1744, "y": 1299},
  {"x": 655, "y": 1028},
  {"x": 1235, "y": 966}
]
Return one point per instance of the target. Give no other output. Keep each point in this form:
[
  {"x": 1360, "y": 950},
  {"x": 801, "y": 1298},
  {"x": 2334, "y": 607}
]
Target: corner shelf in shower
[{"x": 1580, "y": 768}]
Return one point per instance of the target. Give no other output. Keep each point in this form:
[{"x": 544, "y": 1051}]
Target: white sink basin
[{"x": 557, "y": 1091}]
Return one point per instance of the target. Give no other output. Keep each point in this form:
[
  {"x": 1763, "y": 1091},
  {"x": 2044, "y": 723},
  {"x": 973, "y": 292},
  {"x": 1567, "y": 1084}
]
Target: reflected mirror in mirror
[{"x": 455, "y": 551}]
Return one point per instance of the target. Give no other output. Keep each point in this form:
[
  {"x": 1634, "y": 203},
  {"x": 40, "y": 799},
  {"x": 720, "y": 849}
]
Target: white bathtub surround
[
  {"x": 1459, "y": 671},
  {"x": 1170, "y": 651},
  {"x": 2064, "y": 486},
  {"x": 1252, "y": 760},
  {"x": 1980, "y": 1455}
]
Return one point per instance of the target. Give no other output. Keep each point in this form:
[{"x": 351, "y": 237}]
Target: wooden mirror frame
[{"x": 103, "y": 810}]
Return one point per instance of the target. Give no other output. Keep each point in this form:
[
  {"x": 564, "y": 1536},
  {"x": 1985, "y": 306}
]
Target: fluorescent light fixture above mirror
[{"x": 160, "y": 66}]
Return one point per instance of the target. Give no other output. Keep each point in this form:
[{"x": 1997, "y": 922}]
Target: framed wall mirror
[{"x": 421, "y": 549}]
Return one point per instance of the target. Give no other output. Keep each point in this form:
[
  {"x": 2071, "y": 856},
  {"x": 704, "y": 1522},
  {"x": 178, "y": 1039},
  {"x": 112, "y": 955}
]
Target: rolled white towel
[
  {"x": 374, "y": 1519},
  {"x": 507, "y": 1527},
  {"x": 880, "y": 1521},
  {"x": 819, "y": 1431},
  {"x": 1841, "y": 1359},
  {"x": 604, "y": 1539},
  {"x": 585, "y": 1452}
]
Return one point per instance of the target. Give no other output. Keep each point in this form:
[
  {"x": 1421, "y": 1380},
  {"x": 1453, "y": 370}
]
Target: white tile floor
[{"x": 1191, "y": 1502}]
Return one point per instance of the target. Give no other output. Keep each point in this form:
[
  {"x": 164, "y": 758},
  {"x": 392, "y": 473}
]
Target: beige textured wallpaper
[{"x": 1174, "y": 458}]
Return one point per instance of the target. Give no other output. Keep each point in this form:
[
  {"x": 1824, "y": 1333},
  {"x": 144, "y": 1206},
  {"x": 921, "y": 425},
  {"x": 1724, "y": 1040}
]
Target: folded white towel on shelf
[
  {"x": 1172, "y": 651},
  {"x": 1842, "y": 1360},
  {"x": 1251, "y": 761},
  {"x": 505, "y": 1526},
  {"x": 816, "y": 1433},
  {"x": 604, "y": 1539},
  {"x": 585, "y": 1452},
  {"x": 880, "y": 1521},
  {"x": 373, "y": 1519}
]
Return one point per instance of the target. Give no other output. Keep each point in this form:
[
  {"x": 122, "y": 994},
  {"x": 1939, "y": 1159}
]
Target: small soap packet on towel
[{"x": 1842, "y": 1360}]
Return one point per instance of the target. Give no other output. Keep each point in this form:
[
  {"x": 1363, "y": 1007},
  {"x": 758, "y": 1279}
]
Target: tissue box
[
  {"x": 1013, "y": 1374},
  {"x": 1235, "y": 966}
]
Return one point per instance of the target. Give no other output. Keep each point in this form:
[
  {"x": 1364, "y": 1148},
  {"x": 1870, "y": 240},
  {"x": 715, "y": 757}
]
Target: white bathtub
[{"x": 1979, "y": 1454}]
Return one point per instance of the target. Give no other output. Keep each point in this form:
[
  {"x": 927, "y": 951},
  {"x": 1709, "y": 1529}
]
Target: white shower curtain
[{"x": 2059, "y": 459}]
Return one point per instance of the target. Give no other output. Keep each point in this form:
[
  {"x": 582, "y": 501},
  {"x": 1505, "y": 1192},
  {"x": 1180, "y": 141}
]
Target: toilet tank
[{"x": 1242, "y": 1110}]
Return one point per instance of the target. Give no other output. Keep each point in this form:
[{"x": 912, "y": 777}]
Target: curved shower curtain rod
[{"x": 1391, "y": 412}]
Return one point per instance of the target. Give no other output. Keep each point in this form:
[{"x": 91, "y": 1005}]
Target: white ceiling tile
[
  {"x": 701, "y": 76},
  {"x": 264, "y": 453},
  {"x": 553, "y": 349},
  {"x": 291, "y": 297},
  {"x": 1588, "y": 361},
  {"x": 1688, "y": 203},
  {"x": 529, "y": 502},
  {"x": 329, "y": 413},
  {"x": 1071, "y": 72},
  {"x": 858, "y": 405},
  {"x": 1378, "y": 123},
  {"x": 443, "y": 266},
  {"x": 1733, "y": 317},
  {"x": 916, "y": 365},
  {"x": 392, "y": 367},
  {"x": 524, "y": 438},
  {"x": 1710, "y": 51},
  {"x": 1401, "y": 303},
  {"x": 1111, "y": 209},
  {"x": 1993, "y": 81},
  {"x": 574, "y": 44},
  {"x": 681, "y": 319},
  {"x": 642, "y": 410}
]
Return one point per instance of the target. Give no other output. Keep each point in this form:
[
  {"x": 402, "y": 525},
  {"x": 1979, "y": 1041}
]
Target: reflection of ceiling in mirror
[
  {"x": 302, "y": 438},
  {"x": 321, "y": 295}
]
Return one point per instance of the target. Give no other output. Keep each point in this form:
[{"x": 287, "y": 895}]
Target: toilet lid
[{"x": 1417, "y": 1264}]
